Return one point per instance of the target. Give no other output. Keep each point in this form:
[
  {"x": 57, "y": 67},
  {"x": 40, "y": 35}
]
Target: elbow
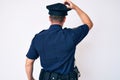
[
  {"x": 29, "y": 62},
  {"x": 90, "y": 25}
]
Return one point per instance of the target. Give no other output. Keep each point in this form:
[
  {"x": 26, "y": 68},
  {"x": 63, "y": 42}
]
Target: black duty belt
[{"x": 45, "y": 75}]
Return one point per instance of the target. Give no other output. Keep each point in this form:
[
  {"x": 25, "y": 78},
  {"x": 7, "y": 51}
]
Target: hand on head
[{"x": 69, "y": 4}]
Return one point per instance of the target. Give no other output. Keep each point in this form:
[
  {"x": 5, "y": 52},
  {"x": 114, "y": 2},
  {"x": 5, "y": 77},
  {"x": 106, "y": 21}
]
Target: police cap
[{"x": 58, "y": 9}]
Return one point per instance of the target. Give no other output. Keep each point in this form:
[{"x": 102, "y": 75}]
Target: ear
[
  {"x": 64, "y": 19},
  {"x": 49, "y": 19}
]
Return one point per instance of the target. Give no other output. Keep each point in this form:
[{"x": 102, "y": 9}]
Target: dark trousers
[{"x": 45, "y": 75}]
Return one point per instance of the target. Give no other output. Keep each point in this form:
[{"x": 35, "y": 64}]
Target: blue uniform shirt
[{"x": 56, "y": 47}]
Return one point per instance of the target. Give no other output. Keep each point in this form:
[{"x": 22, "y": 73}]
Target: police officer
[{"x": 56, "y": 46}]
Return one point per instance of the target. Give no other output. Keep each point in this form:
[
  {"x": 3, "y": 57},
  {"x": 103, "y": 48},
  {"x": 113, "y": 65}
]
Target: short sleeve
[
  {"x": 32, "y": 52},
  {"x": 79, "y": 33}
]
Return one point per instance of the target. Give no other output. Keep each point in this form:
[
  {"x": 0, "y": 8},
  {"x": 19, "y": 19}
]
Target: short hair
[{"x": 57, "y": 18}]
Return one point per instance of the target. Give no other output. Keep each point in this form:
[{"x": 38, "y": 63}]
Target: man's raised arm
[{"x": 83, "y": 16}]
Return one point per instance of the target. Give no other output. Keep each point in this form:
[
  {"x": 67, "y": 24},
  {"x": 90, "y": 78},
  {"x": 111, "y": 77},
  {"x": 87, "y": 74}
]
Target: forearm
[
  {"x": 29, "y": 70},
  {"x": 84, "y": 17}
]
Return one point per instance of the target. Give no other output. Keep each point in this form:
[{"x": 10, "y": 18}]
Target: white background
[{"x": 98, "y": 55}]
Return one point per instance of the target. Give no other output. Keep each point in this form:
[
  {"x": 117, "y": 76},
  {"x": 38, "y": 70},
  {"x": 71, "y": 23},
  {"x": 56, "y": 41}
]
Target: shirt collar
[{"x": 55, "y": 26}]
